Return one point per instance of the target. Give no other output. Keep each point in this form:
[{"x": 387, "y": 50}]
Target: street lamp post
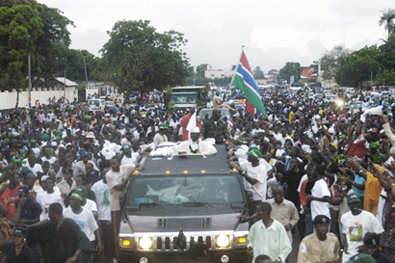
[{"x": 30, "y": 81}]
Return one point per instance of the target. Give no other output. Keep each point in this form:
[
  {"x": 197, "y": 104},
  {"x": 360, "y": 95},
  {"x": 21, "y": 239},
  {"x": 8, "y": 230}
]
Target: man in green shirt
[{"x": 61, "y": 239}]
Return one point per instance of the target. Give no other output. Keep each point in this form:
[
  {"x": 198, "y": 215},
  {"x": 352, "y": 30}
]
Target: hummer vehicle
[{"x": 182, "y": 200}]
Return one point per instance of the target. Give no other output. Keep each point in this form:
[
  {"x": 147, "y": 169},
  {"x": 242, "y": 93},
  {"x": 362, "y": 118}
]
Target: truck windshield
[
  {"x": 183, "y": 98},
  {"x": 94, "y": 102},
  {"x": 162, "y": 190}
]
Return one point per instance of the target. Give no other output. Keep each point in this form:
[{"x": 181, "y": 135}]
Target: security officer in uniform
[
  {"x": 215, "y": 128},
  {"x": 320, "y": 246}
]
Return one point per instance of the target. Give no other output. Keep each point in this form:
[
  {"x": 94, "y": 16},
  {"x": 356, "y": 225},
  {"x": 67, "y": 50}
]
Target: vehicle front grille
[{"x": 167, "y": 243}]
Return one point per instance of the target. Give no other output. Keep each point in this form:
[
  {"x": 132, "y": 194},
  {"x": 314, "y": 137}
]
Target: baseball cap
[
  {"x": 372, "y": 239},
  {"x": 253, "y": 146},
  {"x": 164, "y": 126},
  {"x": 256, "y": 153},
  {"x": 23, "y": 189},
  {"x": 362, "y": 258},
  {"x": 33, "y": 143},
  {"x": 321, "y": 219},
  {"x": 352, "y": 198},
  {"x": 81, "y": 190},
  {"x": 20, "y": 231},
  {"x": 126, "y": 148}
]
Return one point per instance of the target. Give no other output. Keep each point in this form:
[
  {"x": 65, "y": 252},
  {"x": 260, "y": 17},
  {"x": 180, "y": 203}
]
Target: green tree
[
  {"x": 290, "y": 69},
  {"x": 358, "y": 66},
  {"x": 200, "y": 70},
  {"x": 138, "y": 58},
  {"x": 385, "y": 78},
  {"x": 72, "y": 61},
  {"x": 330, "y": 61},
  {"x": 258, "y": 73},
  {"x": 21, "y": 26},
  {"x": 272, "y": 71},
  {"x": 29, "y": 27},
  {"x": 388, "y": 53},
  {"x": 51, "y": 45},
  {"x": 387, "y": 19}
]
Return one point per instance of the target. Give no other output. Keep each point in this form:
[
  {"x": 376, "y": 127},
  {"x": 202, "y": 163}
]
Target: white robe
[{"x": 205, "y": 148}]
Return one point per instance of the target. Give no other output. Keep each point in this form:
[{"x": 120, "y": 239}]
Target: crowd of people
[{"x": 317, "y": 173}]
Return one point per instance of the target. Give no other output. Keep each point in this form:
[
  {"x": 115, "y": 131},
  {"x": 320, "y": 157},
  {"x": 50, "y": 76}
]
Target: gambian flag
[{"x": 244, "y": 80}]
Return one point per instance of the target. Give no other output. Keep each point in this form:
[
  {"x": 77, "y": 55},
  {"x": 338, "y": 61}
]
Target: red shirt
[{"x": 8, "y": 199}]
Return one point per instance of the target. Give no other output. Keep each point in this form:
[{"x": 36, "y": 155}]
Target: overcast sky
[{"x": 273, "y": 32}]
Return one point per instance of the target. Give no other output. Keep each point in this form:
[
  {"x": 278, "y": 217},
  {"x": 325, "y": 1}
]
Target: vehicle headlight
[
  {"x": 146, "y": 242},
  {"x": 222, "y": 241}
]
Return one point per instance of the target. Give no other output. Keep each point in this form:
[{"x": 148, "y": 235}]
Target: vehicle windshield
[
  {"x": 196, "y": 189},
  {"x": 183, "y": 98},
  {"x": 356, "y": 105},
  {"x": 94, "y": 102}
]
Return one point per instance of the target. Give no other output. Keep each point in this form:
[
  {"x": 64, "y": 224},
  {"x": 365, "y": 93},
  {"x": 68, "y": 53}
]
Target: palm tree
[{"x": 387, "y": 18}]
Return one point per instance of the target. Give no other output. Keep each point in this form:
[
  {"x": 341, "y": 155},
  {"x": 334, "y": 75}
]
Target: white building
[{"x": 212, "y": 73}]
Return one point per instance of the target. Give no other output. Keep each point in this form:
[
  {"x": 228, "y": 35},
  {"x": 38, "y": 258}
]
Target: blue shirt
[{"x": 359, "y": 180}]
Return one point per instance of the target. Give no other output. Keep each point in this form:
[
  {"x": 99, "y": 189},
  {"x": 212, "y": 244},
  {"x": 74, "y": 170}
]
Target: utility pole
[
  {"x": 64, "y": 86},
  {"x": 30, "y": 81},
  {"x": 86, "y": 74}
]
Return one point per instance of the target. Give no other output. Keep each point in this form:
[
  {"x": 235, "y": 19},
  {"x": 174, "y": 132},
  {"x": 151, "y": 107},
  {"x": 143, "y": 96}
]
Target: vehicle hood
[{"x": 188, "y": 223}]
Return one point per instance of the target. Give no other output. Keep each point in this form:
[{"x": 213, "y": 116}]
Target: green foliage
[
  {"x": 258, "y": 73},
  {"x": 136, "y": 57},
  {"x": 29, "y": 27},
  {"x": 330, "y": 61},
  {"x": 20, "y": 28},
  {"x": 387, "y": 19},
  {"x": 200, "y": 71},
  {"x": 357, "y": 66},
  {"x": 53, "y": 43},
  {"x": 272, "y": 71},
  {"x": 72, "y": 60},
  {"x": 290, "y": 69},
  {"x": 388, "y": 53},
  {"x": 385, "y": 78}
]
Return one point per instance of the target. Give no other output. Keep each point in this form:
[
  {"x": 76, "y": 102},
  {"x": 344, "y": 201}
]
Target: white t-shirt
[
  {"x": 320, "y": 189},
  {"x": 90, "y": 205},
  {"x": 355, "y": 228},
  {"x": 45, "y": 199},
  {"x": 85, "y": 220},
  {"x": 35, "y": 169},
  {"x": 132, "y": 160},
  {"x": 103, "y": 200},
  {"x": 115, "y": 178},
  {"x": 51, "y": 160},
  {"x": 259, "y": 173}
]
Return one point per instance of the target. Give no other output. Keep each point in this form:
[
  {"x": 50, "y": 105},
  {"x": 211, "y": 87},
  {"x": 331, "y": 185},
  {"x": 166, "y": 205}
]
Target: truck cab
[
  {"x": 177, "y": 202},
  {"x": 95, "y": 105},
  {"x": 183, "y": 100}
]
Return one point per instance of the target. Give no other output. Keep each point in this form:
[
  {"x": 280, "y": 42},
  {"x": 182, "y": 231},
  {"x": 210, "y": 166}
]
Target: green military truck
[
  {"x": 176, "y": 202},
  {"x": 186, "y": 96}
]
